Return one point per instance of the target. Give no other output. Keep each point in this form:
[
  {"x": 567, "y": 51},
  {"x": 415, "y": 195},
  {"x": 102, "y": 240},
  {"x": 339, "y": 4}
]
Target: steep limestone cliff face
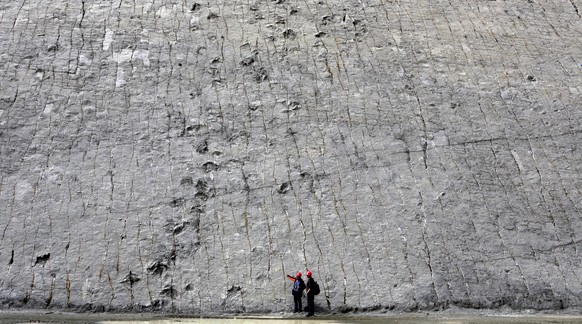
[{"x": 186, "y": 156}]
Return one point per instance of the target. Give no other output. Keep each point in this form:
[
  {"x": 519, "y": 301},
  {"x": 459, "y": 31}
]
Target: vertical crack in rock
[
  {"x": 111, "y": 287},
  {"x": 11, "y": 212},
  {"x": 315, "y": 227},
  {"x": 68, "y": 288},
  {"x": 426, "y": 247},
  {"x": 499, "y": 227},
  {"x": 361, "y": 235},
  {"x": 340, "y": 257},
  {"x": 51, "y": 291},
  {"x": 576, "y": 9},
  {"x": 424, "y": 139},
  {"x": 358, "y": 283},
  {"x": 246, "y": 216},
  {"x": 542, "y": 185},
  {"x": 82, "y": 14},
  {"x": 270, "y": 240}
]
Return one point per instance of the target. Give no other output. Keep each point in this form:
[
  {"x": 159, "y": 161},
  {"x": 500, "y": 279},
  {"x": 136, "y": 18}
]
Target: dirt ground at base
[{"x": 10, "y": 317}]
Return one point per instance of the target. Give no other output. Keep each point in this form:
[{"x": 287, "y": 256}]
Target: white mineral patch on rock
[
  {"x": 48, "y": 108},
  {"x": 119, "y": 80},
  {"x": 84, "y": 60},
  {"x": 163, "y": 12},
  {"x": 22, "y": 189},
  {"x": 397, "y": 38},
  {"x": 517, "y": 160},
  {"x": 439, "y": 139},
  {"x": 194, "y": 22},
  {"x": 467, "y": 51},
  {"x": 125, "y": 56},
  {"x": 86, "y": 291},
  {"x": 142, "y": 55},
  {"x": 39, "y": 75},
  {"x": 108, "y": 39},
  {"x": 128, "y": 55}
]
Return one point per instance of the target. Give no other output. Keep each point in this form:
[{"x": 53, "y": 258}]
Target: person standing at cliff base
[
  {"x": 312, "y": 290},
  {"x": 297, "y": 292}
]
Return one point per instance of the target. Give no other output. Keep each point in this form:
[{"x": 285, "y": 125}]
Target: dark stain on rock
[
  {"x": 233, "y": 289},
  {"x": 247, "y": 61},
  {"x": 176, "y": 202},
  {"x": 168, "y": 291},
  {"x": 261, "y": 75},
  {"x": 157, "y": 268},
  {"x": 290, "y": 34},
  {"x": 42, "y": 259},
  {"x": 196, "y": 223},
  {"x": 187, "y": 181},
  {"x": 294, "y": 105},
  {"x": 254, "y": 105},
  {"x": 202, "y": 185},
  {"x": 210, "y": 166},
  {"x": 159, "y": 304},
  {"x": 53, "y": 48},
  {"x": 192, "y": 128},
  {"x": 202, "y": 147},
  {"x": 195, "y": 7},
  {"x": 130, "y": 278},
  {"x": 179, "y": 228},
  {"x": 25, "y": 299},
  {"x": 172, "y": 256},
  {"x": 201, "y": 195},
  {"x": 197, "y": 209},
  {"x": 284, "y": 188}
]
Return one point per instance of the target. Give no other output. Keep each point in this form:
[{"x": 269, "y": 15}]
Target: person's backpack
[{"x": 314, "y": 288}]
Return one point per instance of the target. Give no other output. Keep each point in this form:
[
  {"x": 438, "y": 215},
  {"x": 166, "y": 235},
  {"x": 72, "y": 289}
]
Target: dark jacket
[
  {"x": 310, "y": 283},
  {"x": 298, "y": 287}
]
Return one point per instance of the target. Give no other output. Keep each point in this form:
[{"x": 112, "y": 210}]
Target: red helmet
[
  {"x": 298, "y": 274},
  {"x": 309, "y": 273}
]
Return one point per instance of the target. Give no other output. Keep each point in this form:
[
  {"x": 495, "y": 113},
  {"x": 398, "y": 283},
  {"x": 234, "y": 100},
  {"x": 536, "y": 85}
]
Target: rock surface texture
[{"x": 185, "y": 156}]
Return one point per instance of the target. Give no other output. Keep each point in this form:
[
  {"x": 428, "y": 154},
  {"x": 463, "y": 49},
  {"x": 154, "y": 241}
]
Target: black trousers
[
  {"x": 310, "y": 304},
  {"x": 298, "y": 305}
]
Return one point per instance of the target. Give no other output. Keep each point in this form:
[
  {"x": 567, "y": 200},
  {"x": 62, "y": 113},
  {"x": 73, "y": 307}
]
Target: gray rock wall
[{"x": 186, "y": 156}]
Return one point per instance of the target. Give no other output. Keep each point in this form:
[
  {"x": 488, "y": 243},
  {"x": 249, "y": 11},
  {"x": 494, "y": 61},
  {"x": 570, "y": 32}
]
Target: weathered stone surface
[{"x": 185, "y": 156}]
